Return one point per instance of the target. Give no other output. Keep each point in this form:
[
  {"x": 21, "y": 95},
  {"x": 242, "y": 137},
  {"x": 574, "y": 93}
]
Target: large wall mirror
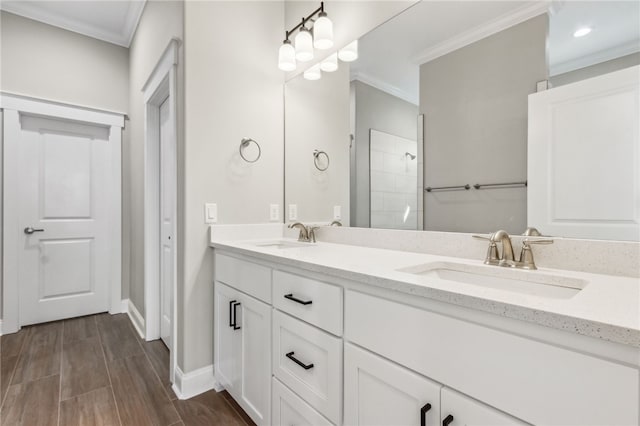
[{"x": 429, "y": 128}]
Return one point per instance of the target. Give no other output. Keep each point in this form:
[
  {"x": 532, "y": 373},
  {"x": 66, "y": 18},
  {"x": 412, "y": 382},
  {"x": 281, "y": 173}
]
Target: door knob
[{"x": 29, "y": 230}]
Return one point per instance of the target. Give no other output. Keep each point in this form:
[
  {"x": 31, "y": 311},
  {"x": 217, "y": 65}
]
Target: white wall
[
  {"x": 47, "y": 62},
  {"x": 233, "y": 89},
  {"x": 160, "y": 22},
  {"x": 317, "y": 117}
]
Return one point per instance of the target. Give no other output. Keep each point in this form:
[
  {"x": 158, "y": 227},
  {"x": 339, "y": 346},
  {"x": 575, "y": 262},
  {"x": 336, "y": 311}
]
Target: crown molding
[
  {"x": 122, "y": 38},
  {"x": 594, "y": 58},
  {"x": 501, "y": 23},
  {"x": 385, "y": 87}
]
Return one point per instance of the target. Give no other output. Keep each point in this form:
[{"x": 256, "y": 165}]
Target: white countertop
[{"x": 607, "y": 308}]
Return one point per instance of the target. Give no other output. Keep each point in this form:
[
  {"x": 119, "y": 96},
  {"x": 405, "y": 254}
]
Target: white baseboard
[
  {"x": 134, "y": 315},
  {"x": 1, "y": 332},
  {"x": 188, "y": 385},
  {"x": 124, "y": 306}
]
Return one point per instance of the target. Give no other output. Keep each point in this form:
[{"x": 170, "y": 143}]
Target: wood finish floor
[{"x": 95, "y": 370}]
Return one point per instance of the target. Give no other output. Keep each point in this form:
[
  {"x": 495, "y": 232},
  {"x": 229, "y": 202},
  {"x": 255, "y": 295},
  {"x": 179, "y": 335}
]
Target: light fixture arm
[{"x": 318, "y": 11}]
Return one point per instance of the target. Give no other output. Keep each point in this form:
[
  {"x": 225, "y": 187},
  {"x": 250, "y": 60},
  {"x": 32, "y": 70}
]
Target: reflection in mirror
[{"x": 450, "y": 82}]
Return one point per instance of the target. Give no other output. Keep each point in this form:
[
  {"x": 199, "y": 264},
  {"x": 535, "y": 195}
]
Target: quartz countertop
[{"x": 608, "y": 307}]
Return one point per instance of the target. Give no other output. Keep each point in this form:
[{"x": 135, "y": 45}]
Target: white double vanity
[{"x": 332, "y": 334}]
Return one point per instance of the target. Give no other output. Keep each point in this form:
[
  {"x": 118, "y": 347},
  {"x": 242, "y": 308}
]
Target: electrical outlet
[
  {"x": 210, "y": 213},
  {"x": 274, "y": 212},
  {"x": 337, "y": 213},
  {"x": 293, "y": 212}
]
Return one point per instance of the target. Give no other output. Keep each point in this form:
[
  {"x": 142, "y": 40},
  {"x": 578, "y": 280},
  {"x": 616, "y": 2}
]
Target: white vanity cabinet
[
  {"x": 242, "y": 343},
  {"x": 458, "y": 410}
]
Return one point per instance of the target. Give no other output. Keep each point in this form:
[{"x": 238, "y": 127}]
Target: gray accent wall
[
  {"x": 475, "y": 105},
  {"x": 374, "y": 109}
]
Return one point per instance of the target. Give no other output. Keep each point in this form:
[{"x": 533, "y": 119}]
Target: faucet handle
[
  {"x": 311, "y": 232},
  {"x": 526, "y": 255},
  {"x": 481, "y": 237},
  {"x": 492, "y": 257}
]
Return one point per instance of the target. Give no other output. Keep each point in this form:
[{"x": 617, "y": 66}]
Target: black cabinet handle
[
  {"x": 231, "y": 302},
  {"x": 302, "y": 302},
  {"x": 423, "y": 411},
  {"x": 300, "y": 363},
  {"x": 447, "y": 420},
  {"x": 235, "y": 317}
]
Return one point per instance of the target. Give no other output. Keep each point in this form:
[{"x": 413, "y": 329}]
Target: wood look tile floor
[{"x": 96, "y": 370}]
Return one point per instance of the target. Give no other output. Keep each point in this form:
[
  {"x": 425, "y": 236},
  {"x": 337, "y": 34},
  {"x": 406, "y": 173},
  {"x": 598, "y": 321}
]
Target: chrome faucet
[
  {"x": 507, "y": 258},
  {"x": 304, "y": 232},
  {"x": 335, "y": 223}
]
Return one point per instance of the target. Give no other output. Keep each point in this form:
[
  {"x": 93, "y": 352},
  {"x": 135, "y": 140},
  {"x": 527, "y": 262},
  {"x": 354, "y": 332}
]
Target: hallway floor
[{"x": 95, "y": 370}]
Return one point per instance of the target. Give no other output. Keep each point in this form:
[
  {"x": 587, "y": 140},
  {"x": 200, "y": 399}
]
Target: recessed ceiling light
[{"x": 581, "y": 32}]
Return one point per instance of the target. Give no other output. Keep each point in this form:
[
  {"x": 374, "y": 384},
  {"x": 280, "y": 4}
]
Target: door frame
[
  {"x": 160, "y": 86},
  {"x": 13, "y": 106}
]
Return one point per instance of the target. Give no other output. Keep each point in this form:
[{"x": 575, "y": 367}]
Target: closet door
[{"x": 380, "y": 392}]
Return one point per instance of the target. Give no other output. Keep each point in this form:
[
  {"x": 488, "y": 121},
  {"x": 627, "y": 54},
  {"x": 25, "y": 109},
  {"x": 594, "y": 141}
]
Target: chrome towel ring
[
  {"x": 245, "y": 143},
  {"x": 316, "y": 160}
]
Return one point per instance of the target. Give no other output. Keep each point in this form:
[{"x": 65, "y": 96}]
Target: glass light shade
[
  {"x": 330, "y": 64},
  {"x": 313, "y": 73},
  {"x": 287, "y": 57},
  {"x": 304, "y": 45},
  {"x": 323, "y": 33},
  {"x": 349, "y": 53}
]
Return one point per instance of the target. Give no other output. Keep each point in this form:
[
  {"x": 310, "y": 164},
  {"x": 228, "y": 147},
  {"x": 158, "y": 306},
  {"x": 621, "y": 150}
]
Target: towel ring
[
  {"x": 245, "y": 143},
  {"x": 316, "y": 155}
]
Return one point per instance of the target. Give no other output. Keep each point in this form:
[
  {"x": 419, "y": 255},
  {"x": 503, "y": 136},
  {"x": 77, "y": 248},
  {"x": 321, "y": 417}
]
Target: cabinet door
[
  {"x": 289, "y": 409},
  {"x": 254, "y": 320},
  {"x": 459, "y": 410},
  {"x": 380, "y": 392},
  {"x": 227, "y": 340}
]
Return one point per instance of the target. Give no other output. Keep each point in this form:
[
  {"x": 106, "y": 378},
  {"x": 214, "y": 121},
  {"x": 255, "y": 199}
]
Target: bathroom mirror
[{"x": 428, "y": 128}]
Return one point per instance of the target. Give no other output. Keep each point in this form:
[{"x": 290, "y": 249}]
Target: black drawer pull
[
  {"x": 447, "y": 420},
  {"x": 301, "y": 364},
  {"x": 423, "y": 411},
  {"x": 231, "y": 302},
  {"x": 302, "y": 302},
  {"x": 235, "y": 315}
]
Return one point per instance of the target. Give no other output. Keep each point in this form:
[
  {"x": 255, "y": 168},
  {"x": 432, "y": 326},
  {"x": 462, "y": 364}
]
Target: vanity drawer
[
  {"x": 289, "y": 409},
  {"x": 534, "y": 381},
  {"x": 247, "y": 277},
  {"x": 312, "y": 301},
  {"x": 309, "y": 361}
]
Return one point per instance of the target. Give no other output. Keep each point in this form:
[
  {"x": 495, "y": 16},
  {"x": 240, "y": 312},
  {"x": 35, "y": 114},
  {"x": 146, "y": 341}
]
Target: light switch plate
[
  {"x": 337, "y": 213},
  {"x": 274, "y": 212},
  {"x": 210, "y": 213},
  {"x": 293, "y": 212}
]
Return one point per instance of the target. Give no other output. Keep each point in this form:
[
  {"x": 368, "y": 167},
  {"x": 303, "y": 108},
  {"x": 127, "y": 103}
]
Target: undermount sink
[
  {"x": 282, "y": 244},
  {"x": 534, "y": 283}
]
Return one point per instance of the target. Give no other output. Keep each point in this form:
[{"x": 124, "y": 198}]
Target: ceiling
[
  {"x": 114, "y": 21},
  {"x": 390, "y": 55}
]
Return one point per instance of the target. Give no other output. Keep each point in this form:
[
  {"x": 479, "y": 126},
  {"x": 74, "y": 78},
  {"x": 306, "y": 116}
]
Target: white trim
[
  {"x": 122, "y": 38},
  {"x": 124, "y": 306},
  {"x": 56, "y": 109},
  {"x": 1, "y": 329},
  {"x": 386, "y": 87},
  {"x": 13, "y": 106},
  {"x": 594, "y": 58},
  {"x": 136, "y": 318},
  {"x": 188, "y": 385},
  {"x": 161, "y": 84},
  {"x": 494, "y": 26}
]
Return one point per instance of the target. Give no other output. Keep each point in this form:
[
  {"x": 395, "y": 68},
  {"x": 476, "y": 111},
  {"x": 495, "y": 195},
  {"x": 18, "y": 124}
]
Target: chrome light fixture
[{"x": 322, "y": 38}]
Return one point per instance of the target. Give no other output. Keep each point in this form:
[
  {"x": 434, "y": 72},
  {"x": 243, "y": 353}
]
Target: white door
[
  {"x": 380, "y": 392},
  {"x": 254, "y": 320},
  {"x": 64, "y": 258},
  {"x": 227, "y": 342},
  {"x": 459, "y": 410},
  {"x": 167, "y": 221},
  {"x": 584, "y": 158}
]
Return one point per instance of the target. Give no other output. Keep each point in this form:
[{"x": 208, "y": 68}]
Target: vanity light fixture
[
  {"x": 305, "y": 41},
  {"x": 330, "y": 64},
  {"x": 581, "y": 32},
  {"x": 313, "y": 73},
  {"x": 349, "y": 53}
]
